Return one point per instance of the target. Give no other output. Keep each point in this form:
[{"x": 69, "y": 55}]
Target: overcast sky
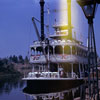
[{"x": 17, "y": 31}]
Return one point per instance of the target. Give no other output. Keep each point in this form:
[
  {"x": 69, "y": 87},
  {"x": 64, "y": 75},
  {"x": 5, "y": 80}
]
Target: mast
[
  {"x": 69, "y": 18},
  {"x": 42, "y": 19}
]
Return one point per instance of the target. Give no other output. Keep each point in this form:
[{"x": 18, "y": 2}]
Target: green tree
[
  {"x": 10, "y": 58},
  {"x": 20, "y": 59},
  {"x": 1, "y": 63},
  {"x": 26, "y": 60},
  {"x": 5, "y": 61},
  {"x": 15, "y": 59}
]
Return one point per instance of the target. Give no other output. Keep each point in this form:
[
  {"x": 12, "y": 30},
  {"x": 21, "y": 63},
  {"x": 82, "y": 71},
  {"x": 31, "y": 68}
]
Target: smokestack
[
  {"x": 69, "y": 19},
  {"x": 42, "y": 19}
]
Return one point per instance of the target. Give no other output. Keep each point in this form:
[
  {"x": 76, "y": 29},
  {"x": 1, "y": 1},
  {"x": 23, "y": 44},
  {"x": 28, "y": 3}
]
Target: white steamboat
[{"x": 59, "y": 62}]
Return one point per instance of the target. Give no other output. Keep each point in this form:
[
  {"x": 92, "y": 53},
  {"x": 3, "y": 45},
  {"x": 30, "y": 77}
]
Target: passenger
[{"x": 62, "y": 74}]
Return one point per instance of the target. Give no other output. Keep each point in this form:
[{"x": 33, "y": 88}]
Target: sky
[{"x": 17, "y": 31}]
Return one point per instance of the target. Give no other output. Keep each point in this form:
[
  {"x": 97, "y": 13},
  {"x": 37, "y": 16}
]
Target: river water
[{"x": 12, "y": 89}]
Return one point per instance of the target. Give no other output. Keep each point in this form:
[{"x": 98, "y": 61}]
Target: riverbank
[
  {"x": 9, "y": 76},
  {"x": 13, "y": 65}
]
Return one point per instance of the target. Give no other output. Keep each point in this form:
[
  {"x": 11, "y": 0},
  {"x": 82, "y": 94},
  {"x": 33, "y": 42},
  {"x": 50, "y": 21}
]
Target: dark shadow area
[
  {"x": 7, "y": 83},
  {"x": 77, "y": 93}
]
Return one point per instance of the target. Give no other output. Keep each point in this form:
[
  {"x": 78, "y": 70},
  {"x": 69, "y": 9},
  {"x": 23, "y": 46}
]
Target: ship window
[
  {"x": 78, "y": 51},
  {"x": 39, "y": 50},
  {"x": 67, "y": 50},
  {"x": 32, "y": 51},
  {"x": 32, "y": 48},
  {"x": 81, "y": 52},
  {"x": 59, "y": 50},
  {"x": 86, "y": 54},
  {"x": 50, "y": 49},
  {"x": 73, "y": 50}
]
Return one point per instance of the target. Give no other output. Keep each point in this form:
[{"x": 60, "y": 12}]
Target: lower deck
[{"x": 52, "y": 79}]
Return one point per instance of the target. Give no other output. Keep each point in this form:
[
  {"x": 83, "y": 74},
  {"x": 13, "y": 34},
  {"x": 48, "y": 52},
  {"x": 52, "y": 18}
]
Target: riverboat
[{"x": 59, "y": 61}]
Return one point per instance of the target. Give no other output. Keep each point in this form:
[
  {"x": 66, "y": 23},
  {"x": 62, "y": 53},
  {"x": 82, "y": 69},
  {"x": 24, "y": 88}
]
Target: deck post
[
  {"x": 33, "y": 69},
  {"x": 72, "y": 69},
  {"x": 43, "y": 68},
  {"x": 71, "y": 49},
  {"x": 39, "y": 69},
  {"x": 63, "y": 50},
  {"x": 80, "y": 70},
  {"x": 83, "y": 68},
  {"x": 54, "y": 50},
  {"x": 58, "y": 71},
  {"x": 35, "y": 51}
]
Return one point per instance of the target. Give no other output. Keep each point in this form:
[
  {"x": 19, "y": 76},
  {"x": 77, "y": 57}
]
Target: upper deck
[
  {"x": 61, "y": 48},
  {"x": 60, "y": 51},
  {"x": 60, "y": 32}
]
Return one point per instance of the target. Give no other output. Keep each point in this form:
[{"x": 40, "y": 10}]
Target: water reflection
[
  {"x": 9, "y": 83},
  {"x": 77, "y": 93}
]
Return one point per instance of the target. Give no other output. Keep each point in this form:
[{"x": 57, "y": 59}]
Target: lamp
[{"x": 89, "y": 9}]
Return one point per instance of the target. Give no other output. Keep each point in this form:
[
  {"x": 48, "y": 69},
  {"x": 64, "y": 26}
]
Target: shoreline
[{"x": 10, "y": 75}]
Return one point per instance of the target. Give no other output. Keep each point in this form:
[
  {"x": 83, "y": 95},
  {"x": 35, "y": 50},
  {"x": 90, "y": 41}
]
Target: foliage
[
  {"x": 13, "y": 59},
  {"x": 26, "y": 60},
  {"x": 20, "y": 59},
  {"x": 7, "y": 64}
]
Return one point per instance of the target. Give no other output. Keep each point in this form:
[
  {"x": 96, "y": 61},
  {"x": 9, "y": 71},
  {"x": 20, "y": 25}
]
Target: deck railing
[{"x": 58, "y": 58}]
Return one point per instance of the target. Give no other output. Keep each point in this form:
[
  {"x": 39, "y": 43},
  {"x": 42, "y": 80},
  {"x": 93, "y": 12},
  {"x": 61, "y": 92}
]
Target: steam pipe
[{"x": 42, "y": 19}]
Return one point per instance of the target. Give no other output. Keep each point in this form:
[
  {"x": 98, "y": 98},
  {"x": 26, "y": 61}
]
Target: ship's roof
[
  {"x": 61, "y": 27},
  {"x": 64, "y": 36},
  {"x": 59, "y": 42},
  {"x": 60, "y": 36}
]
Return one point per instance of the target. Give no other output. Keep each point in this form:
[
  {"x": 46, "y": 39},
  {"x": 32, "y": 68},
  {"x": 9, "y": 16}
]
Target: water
[{"x": 12, "y": 89}]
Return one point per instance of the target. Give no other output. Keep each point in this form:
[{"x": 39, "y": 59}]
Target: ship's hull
[{"x": 51, "y": 85}]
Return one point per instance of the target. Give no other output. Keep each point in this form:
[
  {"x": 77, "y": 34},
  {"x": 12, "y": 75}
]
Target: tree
[
  {"x": 1, "y": 63},
  {"x": 15, "y": 59},
  {"x": 5, "y": 61},
  {"x": 10, "y": 58},
  {"x": 20, "y": 58},
  {"x": 26, "y": 60}
]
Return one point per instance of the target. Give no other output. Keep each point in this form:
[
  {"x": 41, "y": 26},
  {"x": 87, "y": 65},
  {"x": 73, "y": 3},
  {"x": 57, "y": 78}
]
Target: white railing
[
  {"x": 42, "y": 75},
  {"x": 58, "y": 58}
]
